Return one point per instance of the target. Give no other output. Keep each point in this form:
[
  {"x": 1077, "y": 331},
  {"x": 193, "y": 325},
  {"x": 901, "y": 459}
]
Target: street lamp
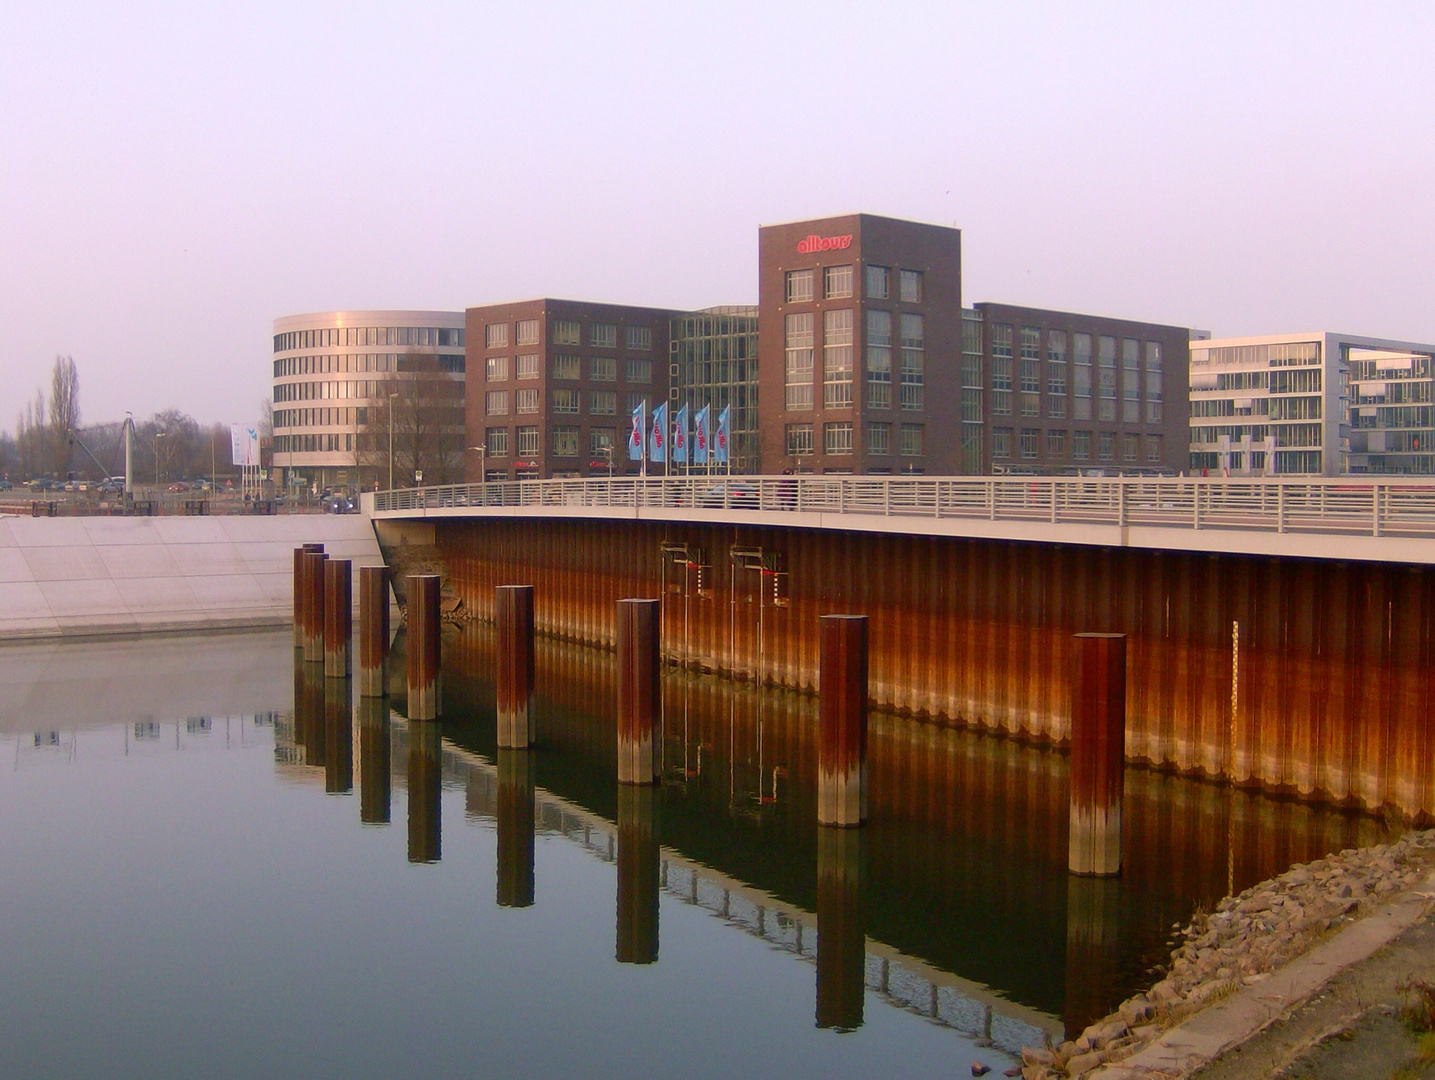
[
  {"x": 482, "y": 452},
  {"x": 158, "y": 435},
  {"x": 392, "y": 398},
  {"x": 607, "y": 451}
]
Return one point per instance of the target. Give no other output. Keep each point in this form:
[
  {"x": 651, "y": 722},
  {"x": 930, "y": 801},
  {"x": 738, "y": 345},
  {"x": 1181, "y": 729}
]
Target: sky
[{"x": 173, "y": 177}]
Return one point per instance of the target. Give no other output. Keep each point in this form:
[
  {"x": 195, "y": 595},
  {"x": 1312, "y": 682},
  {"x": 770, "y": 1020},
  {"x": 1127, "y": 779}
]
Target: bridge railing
[{"x": 1354, "y": 505}]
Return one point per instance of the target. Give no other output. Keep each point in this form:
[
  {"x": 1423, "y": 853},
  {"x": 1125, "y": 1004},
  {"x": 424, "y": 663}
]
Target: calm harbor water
[{"x": 216, "y": 864}]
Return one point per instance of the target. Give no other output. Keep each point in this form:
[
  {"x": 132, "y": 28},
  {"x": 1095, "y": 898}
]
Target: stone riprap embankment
[{"x": 1239, "y": 944}]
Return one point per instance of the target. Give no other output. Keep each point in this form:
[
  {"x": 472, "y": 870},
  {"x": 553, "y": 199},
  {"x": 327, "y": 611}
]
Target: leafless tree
[
  {"x": 31, "y": 438},
  {"x": 64, "y": 411},
  {"x": 428, "y": 425}
]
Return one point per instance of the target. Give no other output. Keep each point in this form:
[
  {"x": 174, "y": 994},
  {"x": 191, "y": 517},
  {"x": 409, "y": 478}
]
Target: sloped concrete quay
[{"x": 101, "y": 576}]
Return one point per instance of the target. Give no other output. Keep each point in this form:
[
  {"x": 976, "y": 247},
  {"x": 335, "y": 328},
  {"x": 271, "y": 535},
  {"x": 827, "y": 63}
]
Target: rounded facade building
[{"x": 363, "y": 395}]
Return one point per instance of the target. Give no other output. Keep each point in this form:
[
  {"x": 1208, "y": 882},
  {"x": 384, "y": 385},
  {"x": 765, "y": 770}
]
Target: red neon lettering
[{"x": 814, "y": 242}]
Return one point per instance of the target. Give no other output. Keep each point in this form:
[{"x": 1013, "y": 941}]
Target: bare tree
[
  {"x": 425, "y": 404},
  {"x": 30, "y": 437},
  {"x": 64, "y": 411}
]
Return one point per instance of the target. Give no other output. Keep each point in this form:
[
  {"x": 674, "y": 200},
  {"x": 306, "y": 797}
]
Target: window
[
  {"x": 603, "y": 335},
  {"x": 564, "y": 401},
  {"x": 603, "y": 369},
  {"x": 565, "y": 442},
  {"x": 1105, "y": 445},
  {"x": 1056, "y": 374},
  {"x": 635, "y": 400},
  {"x": 497, "y": 368},
  {"x": 1001, "y": 341},
  {"x": 1001, "y": 442},
  {"x": 798, "y": 369},
  {"x": 640, "y": 337},
  {"x": 527, "y": 332},
  {"x": 567, "y": 367},
  {"x": 566, "y": 332},
  {"x": 1153, "y": 449},
  {"x": 1130, "y": 381},
  {"x": 876, "y": 283},
  {"x": 495, "y": 403},
  {"x": 837, "y": 282},
  {"x": 799, "y": 286},
  {"x": 495, "y": 336},
  {"x": 601, "y": 441},
  {"x": 1129, "y": 446},
  {"x": 1153, "y": 384},
  {"x": 1055, "y": 445},
  {"x": 528, "y": 366},
  {"x": 837, "y": 438},
  {"x": 528, "y": 442},
  {"x": 1081, "y": 374},
  {"x": 879, "y": 359},
  {"x": 799, "y": 440},
  {"x": 1030, "y": 343},
  {"x": 910, "y": 286},
  {"x": 879, "y": 439},
  {"x": 526, "y": 401},
  {"x": 1030, "y": 371},
  {"x": 496, "y": 440},
  {"x": 1106, "y": 377},
  {"x": 911, "y": 436},
  {"x": 1029, "y": 442},
  {"x": 602, "y": 402},
  {"x": 640, "y": 371},
  {"x": 837, "y": 360},
  {"x": 1081, "y": 446},
  {"x": 912, "y": 362}
]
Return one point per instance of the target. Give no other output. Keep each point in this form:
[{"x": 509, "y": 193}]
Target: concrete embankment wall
[{"x": 85, "y": 577}]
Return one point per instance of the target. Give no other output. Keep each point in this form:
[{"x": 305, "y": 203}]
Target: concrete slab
[
  {"x": 229, "y": 593},
  {"x": 50, "y": 532},
  {"x": 153, "y": 596},
  {"x": 107, "y": 532},
  {"x": 207, "y": 558},
  {"x": 7, "y": 538},
  {"x": 190, "y": 530},
  {"x": 137, "y": 561},
  {"x": 13, "y": 566},
  {"x": 70, "y": 562}
]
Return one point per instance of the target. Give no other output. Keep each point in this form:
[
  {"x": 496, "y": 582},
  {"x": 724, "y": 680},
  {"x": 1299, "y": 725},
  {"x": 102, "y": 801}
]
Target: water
[{"x": 190, "y": 886}]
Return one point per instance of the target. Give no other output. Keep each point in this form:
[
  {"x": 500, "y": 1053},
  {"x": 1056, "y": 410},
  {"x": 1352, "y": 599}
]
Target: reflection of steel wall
[{"x": 1325, "y": 694}]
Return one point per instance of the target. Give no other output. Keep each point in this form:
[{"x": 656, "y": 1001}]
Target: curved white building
[{"x": 336, "y": 376}]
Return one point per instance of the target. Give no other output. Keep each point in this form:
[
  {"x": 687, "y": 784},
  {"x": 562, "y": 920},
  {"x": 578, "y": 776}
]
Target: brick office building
[
  {"x": 553, "y": 383},
  {"x": 859, "y": 343}
]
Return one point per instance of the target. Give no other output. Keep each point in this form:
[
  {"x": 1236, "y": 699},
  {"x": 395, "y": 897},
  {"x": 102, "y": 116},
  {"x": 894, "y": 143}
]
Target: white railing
[{"x": 1350, "y": 505}]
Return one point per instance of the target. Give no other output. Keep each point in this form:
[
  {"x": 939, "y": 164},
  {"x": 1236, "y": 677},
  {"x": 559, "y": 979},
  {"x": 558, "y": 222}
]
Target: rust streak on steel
[
  {"x": 639, "y": 693},
  {"x": 515, "y": 816},
  {"x": 373, "y": 630},
  {"x": 314, "y": 606},
  {"x": 1098, "y": 753},
  {"x": 425, "y": 791},
  {"x": 338, "y": 617},
  {"x": 841, "y": 935},
  {"x": 638, "y": 876},
  {"x": 375, "y": 755},
  {"x": 423, "y": 646},
  {"x": 513, "y": 614},
  {"x": 301, "y": 591},
  {"x": 842, "y": 722}
]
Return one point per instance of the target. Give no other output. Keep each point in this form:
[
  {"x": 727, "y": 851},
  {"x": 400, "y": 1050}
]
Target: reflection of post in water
[
  {"x": 515, "y": 828},
  {"x": 841, "y": 933},
  {"x": 338, "y": 738},
  {"x": 309, "y": 711},
  {"x": 1093, "y": 925},
  {"x": 425, "y": 766},
  {"x": 638, "y": 867},
  {"x": 374, "y": 777}
]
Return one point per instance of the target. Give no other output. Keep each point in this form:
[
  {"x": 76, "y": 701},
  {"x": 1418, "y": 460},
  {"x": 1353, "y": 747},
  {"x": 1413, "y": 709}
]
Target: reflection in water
[
  {"x": 515, "y": 828},
  {"x": 841, "y": 934},
  {"x": 638, "y": 875},
  {"x": 309, "y": 712},
  {"x": 338, "y": 737},
  {"x": 425, "y": 768},
  {"x": 375, "y": 784},
  {"x": 1093, "y": 942}
]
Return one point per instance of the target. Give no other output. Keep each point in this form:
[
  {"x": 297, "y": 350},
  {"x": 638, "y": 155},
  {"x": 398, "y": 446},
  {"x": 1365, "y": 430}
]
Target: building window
[
  {"x": 564, "y": 401},
  {"x": 1055, "y": 445},
  {"x": 527, "y": 332},
  {"x": 879, "y": 439},
  {"x": 497, "y": 368},
  {"x": 495, "y": 403},
  {"x": 911, "y": 440},
  {"x": 910, "y": 284},
  {"x": 567, "y": 367},
  {"x": 1001, "y": 442},
  {"x": 877, "y": 283},
  {"x": 1081, "y": 374},
  {"x": 799, "y": 286},
  {"x": 799, "y": 440},
  {"x": 495, "y": 336},
  {"x": 640, "y": 371},
  {"x": 913, "y": 351},
  {"x": 837, "y": 438},
  {"x": 602, "y": 403},
  {"x": 566, "y": 332},
  {"x": 837, "y": 282},
  {"x": 526, "y": 401},
  {"x": 879, "y": 359},
  {"x": 1130, "y": 445},
  {"x": 603, "y": 369},
  {"x": 496, "y": 441},
  {"x": 1153, "y": 449},
  {"x": 1106, "y": 378},
  {"x": 798, "y": 370},
  {"x": 635, "y": 400},
  {"x": 1153, "y": 382},
  {"x": 1130, "y": 381},
  {"x": 603, "y": 335},
  {"x": 837, "y": 359},
  {"x": 1030, "y": 343},
  {"x": 529, "y": 366},
  {"x": 1081, "y": 446},
  {"x": 1105, "y": 445},
  {"x": 565, "y": 442},
  {"x": 1030, "y": 440},
  {"x": 601, "y": 441},
  {"x": 1056, "y": 374},
  {"x": 640, "y": 337},
  {"x": 1030, "y": 371},
  {"x": 528, "y": 445}
]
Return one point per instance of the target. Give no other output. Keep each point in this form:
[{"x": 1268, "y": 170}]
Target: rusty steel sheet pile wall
[{"x": 1299, "y": 676}]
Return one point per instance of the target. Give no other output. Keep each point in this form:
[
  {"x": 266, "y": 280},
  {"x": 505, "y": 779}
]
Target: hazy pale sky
[{"x": 175, "y": 176}]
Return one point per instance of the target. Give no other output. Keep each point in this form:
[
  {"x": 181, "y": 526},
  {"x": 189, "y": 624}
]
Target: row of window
[
  {"x": 570, "y": 368},
  {"x": 1003, "y": 340},
  {"x": 567, "y": 332},
  {"x": 801, "y": 285},
  {"x": 1028, "y": 445},
  {"x": 562, "y": 402},
  {"x": 350, "y": 336},
  {"x": 356, "y": 362},
  {"x": 837, "y": 439},
  {"x": 564, "y": 441},
  {"x": 354, "y": 416},
  {"x": 837, "y": 360}
]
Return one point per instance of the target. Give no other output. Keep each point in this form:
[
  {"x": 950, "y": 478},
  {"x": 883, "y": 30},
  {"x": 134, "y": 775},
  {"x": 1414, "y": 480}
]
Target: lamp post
[
  {"x": 607, "y": 452},
  {"x": 482, "y": 452},
  {"x": 158, "y": 435},
  {"x": 392, "y": 398}
]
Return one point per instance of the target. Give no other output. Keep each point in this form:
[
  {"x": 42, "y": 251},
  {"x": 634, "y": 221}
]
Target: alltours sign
[{"x": 823, "y": 243}]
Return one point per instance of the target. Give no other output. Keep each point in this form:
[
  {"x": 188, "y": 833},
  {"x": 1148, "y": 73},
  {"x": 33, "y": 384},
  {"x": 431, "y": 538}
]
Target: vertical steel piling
[
  {"x": 1098, "y": 753},
  {"x": 841, "y": 935},
  {"x": 842, "y": 721},
  {"x": 515, "y": 828},
  {"x": 373, "y": 630},
  {"x": 338, "y": 617},
  {"x": 639, "y": 690},
  {"x": 314, "y": 606},
  {"x": 638, "y": 875},
  {"x": 423, "y": 647},
  {"x": 338, "y": 737},
  {"x": 425, "y": 788},
  {"x": 513, "y": 613},
  {"x": 375, "y": 783}
]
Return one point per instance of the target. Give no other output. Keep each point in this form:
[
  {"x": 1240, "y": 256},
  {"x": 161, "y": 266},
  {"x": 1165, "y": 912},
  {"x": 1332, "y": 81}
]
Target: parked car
[
  {"x": 6, "y": 485},
  {"x": 179, "y": 485},
  {"x": 338, "y": 504}
]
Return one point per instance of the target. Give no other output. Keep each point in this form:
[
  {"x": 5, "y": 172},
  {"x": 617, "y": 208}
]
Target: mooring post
[
  {"x": 842, "y": 721},
  {"x": 423, "y": 646},
  {"x": 513, "y": 613},
  {"x": 639, "y": 690},
  {"x": 639, "y": 868},
  {"x": 301, "y": 590},
  {"x": 841, "y": 935},
  {"x": 425, "y": 792},
  {"x": 338, "y": 737},
  {"x": 1098, "y": 753},
  {"x": 375, "y": 785},
  {"x": 515, "y": 828},
  {"x": 314, "y": 606},
  {"x": 373, "y": 630},
  {"x": 338, "y": 617}
]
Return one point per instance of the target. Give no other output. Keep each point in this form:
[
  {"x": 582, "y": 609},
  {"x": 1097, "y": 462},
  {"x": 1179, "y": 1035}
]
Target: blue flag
[
  {"x": 700, "y": 437},
  {"x": 635, "y": 438},
  {"x": 658, "y": 437},
  {"x": 720, "y": 440},
  {"x": 680, "y": 436}
]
